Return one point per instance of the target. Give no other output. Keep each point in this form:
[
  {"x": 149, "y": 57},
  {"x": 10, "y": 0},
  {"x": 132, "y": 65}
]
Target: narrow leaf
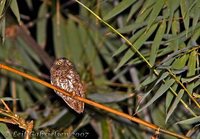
[
  {"x": 134, "y": 8},
  {"x": 25, "y": 99},
  {"x": 141, "y": 18},
  {"x": 132, "y": 39},
  {"x": 170, "y": 96},
  {"x": 42, "y": 25},
  {"x": 172, "y": 6},
  {"x": 156, "y": 10},
  {"x": 175, "y": 104},
  {"x": 156, "y": 43},
  {"x": 105, "y": 129},
  {"x": 159, "y": 93},
  {"x": 4, "y": 130},
  {"x": 2, "y": 30},
  {"x": 119, "y": 8},
  {"x": 156, "y": 82},
  {"x": 152, "y": 78},
  {"x": 15, "y": 9},
  {"x": 196, "y": 14},
  {"x": 109, "y": 97},
  {"x": 192, "y": 69},
  {"x": 185, "y": 14},
  {"x": 54, "y": 119},
  {"x": 145, "y": 10},
  {"x": 190, "y": 121},
  {"x": 74, "y": 46},
  {"x": 59, "y": 36},
  {"x": 180, "y": 63},
  {"x": 2, "y": 6},
  {"x": 139, "y": 42}
]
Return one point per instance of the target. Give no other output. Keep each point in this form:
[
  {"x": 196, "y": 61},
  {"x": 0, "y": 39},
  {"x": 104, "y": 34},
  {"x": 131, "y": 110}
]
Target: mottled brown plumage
[{"x": 64, "y": 75}]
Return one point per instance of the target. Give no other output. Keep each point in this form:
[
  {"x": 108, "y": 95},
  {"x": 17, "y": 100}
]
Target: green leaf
[
  {"x": 156, "y": 43},
  {"x": 24, "y": 98},
  {"x": 2, "y": 30},
  {"x": 29, "y": 4},
  {"x": 149, "y": 80},
  {"x": 15, "y": 9},
  {"x": 195, "y": 95},
  {"x": 24, "y": 55},
  {"x": 154, "y": 83},
  {"x": 172, "y": 6},
  {"x": 196, "y": 14},
  {"x": 180, "y": 63},
  {"x": 147, "y": 4},
  {"x": 74, "y": 46},
  {"x": 176, "y": 24},
  {"x": 2, "y": 7},
  {"x": 190, "y": 79},
  {"x": 111, "y": 97},
  {"x": 4, "y": 130},
  {"x": 131, "y": 28},
  {"x": 138, "y": 43},
  {"x": 195, "y": 35},
  {"x": 145, "y": 11},
  {"x": 59, "y": 36},
  {"x": 170, "y": 95},
  {"x": 164, "y": 87},
  {"x": 185, "y": 14},
  {"x": 197, "y": 83},
  {"x": 42, "y": 25},
  {"x": 192, "y": 69},
  {"x": 190, "y": 121},
  {"x": 153, "y": 78},
  {"x": 158, "y": 115},
  {"x": 156, "y": 10},
  {"x": 174, "y": 105},
  {"x": 3, "y": 84},
  {"x": 119, "y": 8},
  {"x": 87, "y": 39},
  {"x": 132, "y": 39},
  {"x": 143, "y": 15},
  {"x": 55, "y": 119},
  {"x": 9, "y": 98},
  {"x": 105, "y": 129},
  {"x": 192, "y": 63},
  {"x": 135, "y": 7},
  {"x": 106, "y": 55},
  {"x": 29, "y": 52}
]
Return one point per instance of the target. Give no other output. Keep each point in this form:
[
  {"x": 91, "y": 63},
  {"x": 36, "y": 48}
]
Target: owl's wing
[{"x": 72, "y": 86}]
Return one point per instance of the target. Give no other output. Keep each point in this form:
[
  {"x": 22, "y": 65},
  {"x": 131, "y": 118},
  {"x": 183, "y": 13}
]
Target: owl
[{"x": 65, "y": 76}]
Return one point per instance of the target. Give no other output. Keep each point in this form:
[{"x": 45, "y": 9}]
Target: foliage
[{"x": 153, "y": 74}]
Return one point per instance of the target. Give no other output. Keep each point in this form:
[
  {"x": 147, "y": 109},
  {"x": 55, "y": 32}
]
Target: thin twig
[{"x": 12, "y": 118}]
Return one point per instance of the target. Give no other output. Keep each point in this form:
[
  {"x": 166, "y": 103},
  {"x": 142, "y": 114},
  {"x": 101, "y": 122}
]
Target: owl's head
[{"x": 61, "y": 64}]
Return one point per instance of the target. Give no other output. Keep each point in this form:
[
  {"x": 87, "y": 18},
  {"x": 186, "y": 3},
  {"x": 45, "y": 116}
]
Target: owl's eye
[{"x": 58, "y": 62}]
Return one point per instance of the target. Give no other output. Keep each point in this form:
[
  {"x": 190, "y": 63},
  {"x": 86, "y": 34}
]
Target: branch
[{"x": 97, "y": 105}]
